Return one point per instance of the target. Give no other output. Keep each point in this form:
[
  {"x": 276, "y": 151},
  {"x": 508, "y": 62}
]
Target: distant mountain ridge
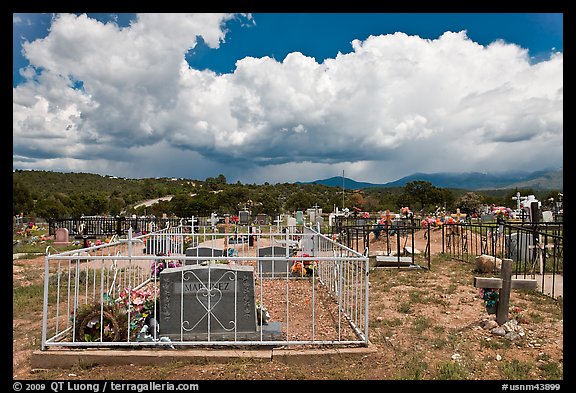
[{"x": 538, "y": 180}]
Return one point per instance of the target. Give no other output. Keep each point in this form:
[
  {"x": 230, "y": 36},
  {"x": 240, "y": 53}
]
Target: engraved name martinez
[{"x": 195, "y": 287}]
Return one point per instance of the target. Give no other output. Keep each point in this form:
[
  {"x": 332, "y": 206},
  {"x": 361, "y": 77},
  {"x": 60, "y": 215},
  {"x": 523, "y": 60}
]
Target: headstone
[
  {"x": 291, "y": 222},
  {"x": 273, "y": 267},
  {"x": 547, "y": 216},
  {"x": 361, "y": 222},
  {"x": 205, "y": 252},
  {"x": 213, "y": 220},
  {"x": 61, "y": 237},
  {"x": 309, "y": 242},
  {"x": 519, "y": 246},
  {"x": 312, "y": 215},
  {"x": 214, "y": 302},
  {"x": 262, "y": 219},
  {"x": 244, "y": 217},
  {"x": 299, "y": 217}
]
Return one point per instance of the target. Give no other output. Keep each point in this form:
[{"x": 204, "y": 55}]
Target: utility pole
[{"x": 342, "y": 189}]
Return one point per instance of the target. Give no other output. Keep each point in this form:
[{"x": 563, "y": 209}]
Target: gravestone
[
  {"x": 547, "y": 216},
  {"x": 519, "y": 246},
  {"x": 486, "y": 218},
  {"x": 213, "y": 220},
  {"x": 61, "y": 237},
  {"x": 262, "y": 219},
  {"x": 214, "y": 302},
  {"x": 206, "y": 253},
  {"x": 273, "y": 267},
  {"x": 244, "y": 217},
  {"x": 312, "y": 215},
  {"x": 299, "y": 217}
]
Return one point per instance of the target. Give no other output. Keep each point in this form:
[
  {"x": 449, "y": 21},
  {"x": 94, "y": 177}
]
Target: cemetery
[{"x": 289, "y": 289}]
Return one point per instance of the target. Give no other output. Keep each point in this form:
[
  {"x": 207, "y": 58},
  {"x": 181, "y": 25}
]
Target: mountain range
[{"x": 539, "y": 180}]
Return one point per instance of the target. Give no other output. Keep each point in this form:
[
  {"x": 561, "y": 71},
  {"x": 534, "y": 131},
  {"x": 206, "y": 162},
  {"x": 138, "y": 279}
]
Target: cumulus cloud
[{"x": 395, "y": 104}]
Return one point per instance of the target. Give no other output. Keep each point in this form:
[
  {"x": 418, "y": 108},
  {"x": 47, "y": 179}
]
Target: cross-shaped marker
[{"x": 505, "y": 283}]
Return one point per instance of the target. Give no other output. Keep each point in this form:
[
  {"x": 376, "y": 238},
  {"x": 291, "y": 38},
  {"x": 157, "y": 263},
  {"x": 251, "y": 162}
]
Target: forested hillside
[{"x": 49, "y": 194}]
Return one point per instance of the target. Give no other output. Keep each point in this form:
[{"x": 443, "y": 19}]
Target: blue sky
[{"x": 287, "y": 97}]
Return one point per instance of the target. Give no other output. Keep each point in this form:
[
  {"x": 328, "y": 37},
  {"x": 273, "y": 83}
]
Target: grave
[
  {"x": 505, "y": 283},
  {"x": 309, "y": 242},
  {"x": 519, "y": 246},
  {"x": 299, "y": 217},
  {"x": 61, "y": 237},
  {"x": 273, "y": 267},
  {"x": 262, "y": 219},
  {"x": 458, "y": 216},
  {"x": 214, "y": 302},
  {"x": 205, "y": 252},
  {"x": 392, "y": 261},
  {"x": 291, "y": 222},
  {"x": 244, "y": 217},
  {"x": 486, "y": 218}
]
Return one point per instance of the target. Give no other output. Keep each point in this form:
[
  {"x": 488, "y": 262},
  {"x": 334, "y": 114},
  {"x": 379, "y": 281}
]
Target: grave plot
[
  {"x": 120, "y": 295},
  {"x": 312, "y": 314}
]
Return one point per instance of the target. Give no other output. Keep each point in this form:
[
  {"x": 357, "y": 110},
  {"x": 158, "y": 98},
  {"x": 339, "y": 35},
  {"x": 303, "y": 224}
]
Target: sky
[{"x": 281, "y": 97}]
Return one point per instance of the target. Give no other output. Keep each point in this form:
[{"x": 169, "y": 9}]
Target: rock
[
  {"x": 498, "y": 357},
  {"x": 490, "y": 324},
  {"x": 486, "y": 263},
  {"x": 499, "y": 331},
  {"x": 512, "y": 336}
]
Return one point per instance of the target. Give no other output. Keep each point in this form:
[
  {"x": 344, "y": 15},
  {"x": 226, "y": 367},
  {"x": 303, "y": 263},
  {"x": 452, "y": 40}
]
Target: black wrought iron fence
[
  {"x": 109, "y": 226},
  {"x": 399, "y": 235},
  {"x": 536, "y": 249}
]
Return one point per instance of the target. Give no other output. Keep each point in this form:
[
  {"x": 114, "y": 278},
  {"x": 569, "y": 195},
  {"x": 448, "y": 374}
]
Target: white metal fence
[{"x": 185, "y": 286}]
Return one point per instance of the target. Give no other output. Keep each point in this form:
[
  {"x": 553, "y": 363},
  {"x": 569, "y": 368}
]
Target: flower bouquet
[
  {"x": 161, "y": 264},
  {"x": 501, "y": 213},
  {"x": 490, "y": 297},
  {"x": 139, "y": 304},
  {"x": 303, "y": 267}
]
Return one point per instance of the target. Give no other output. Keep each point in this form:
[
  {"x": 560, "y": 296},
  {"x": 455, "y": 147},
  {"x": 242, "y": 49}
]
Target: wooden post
[{"x": 504, "y": 297}]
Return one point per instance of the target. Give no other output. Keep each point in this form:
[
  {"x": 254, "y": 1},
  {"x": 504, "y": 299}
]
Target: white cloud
[{"x": 395, "y": 105}]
